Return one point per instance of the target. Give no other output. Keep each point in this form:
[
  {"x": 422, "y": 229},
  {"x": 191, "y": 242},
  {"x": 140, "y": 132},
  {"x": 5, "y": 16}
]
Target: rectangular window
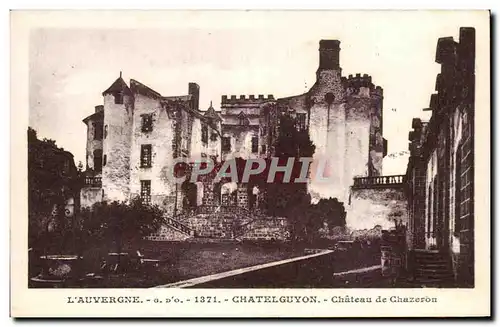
[
  {"x": 145, "y": 155},
  {"x": 264, "y": 149},
  {"x": 255, "y": 144},
  {"x": 118, "y": 98},
  {"x": 146, "y": 191},
  {"x": 147, "y": 123},
  {"x": 204, "y": 133},
  {"x": 226, "y": 144},
  {"x": 104, "y": 160},
  {"x": 301, "y": 122}
]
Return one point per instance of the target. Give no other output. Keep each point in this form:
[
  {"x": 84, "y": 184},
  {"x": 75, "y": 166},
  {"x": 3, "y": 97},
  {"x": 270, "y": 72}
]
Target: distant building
[{"x": 440, "y": 171}]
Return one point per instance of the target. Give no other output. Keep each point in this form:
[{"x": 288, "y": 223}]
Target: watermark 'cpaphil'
[{"x": 272, "y": 170}]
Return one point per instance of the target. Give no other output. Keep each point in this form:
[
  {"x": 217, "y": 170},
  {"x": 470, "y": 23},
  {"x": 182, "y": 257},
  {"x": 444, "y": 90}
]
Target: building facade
[
  {"x": 441, "y": 165},
  {"x": 134, "y": 139}
]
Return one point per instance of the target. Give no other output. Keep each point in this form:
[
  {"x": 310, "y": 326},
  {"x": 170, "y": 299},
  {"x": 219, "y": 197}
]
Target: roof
[
  {"x": 118, "y": 86},
  {"x": 94, "y": 115},
  {"x": 211, "y": 113},
  {"x": 177, "y": 97},
  {"x": 141, "y": 88}
]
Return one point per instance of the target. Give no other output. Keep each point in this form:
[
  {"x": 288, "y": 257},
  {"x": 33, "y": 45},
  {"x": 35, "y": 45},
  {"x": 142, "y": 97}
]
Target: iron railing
[
  {"x": 379, "y": 181},
  {"x": 91, "y": 181},
  {"x": 180, "y": 226}
]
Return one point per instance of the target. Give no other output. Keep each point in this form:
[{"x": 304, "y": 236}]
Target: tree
[
  {"x": 52, "y": 178},
  {"x": 292, "y": 199}
]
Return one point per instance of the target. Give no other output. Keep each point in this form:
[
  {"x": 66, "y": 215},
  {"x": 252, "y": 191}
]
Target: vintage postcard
[{"x": 250, "y": 164}]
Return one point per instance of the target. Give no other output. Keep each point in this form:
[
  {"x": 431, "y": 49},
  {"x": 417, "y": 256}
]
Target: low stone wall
[
  {"x": 266, "y": 229},
  {"x": 213, "y": 227},
  {"x": 168, "y": 233}
]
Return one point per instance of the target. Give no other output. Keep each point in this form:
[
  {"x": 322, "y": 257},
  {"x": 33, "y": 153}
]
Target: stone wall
[
  {"x": 369, "y": 207},
  {"x": 168, "y": 233},
  {"x": 267, "y": 229},
  {"x": 160, "y": 138}
]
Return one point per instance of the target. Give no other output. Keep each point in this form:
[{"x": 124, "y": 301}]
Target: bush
[{"x": 116, "y": 223}]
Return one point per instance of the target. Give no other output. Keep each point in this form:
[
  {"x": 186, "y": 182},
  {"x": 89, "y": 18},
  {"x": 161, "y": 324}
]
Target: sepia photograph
[{"x": 254, "y": 150}]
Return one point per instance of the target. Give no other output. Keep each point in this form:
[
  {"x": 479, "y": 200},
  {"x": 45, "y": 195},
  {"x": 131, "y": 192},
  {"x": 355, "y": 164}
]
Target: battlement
[
  {"x": 357, "y": 81},
  {"x": 246, "y": 99}
]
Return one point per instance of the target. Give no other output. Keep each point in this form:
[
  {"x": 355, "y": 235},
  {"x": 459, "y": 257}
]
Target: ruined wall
[
  {"x": 376, "y": 206},
  {"x": 89, "y": 196},
  {"x": 160, "y": 138},
  {"x": 116, "y": 147},
  {"x": 364, "y": 141},
  {"x": 357, "y": 132}
]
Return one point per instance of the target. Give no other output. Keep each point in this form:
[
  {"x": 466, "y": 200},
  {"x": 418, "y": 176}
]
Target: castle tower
[
  {"x": 364, "y": 141},
  {"x": 118, "y": 113},
  {"x": 327, "y": 122},
  {"x": 93, "y": 157}
]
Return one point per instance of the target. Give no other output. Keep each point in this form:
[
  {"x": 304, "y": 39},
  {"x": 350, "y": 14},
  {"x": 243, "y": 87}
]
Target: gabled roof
[
  {"x": 118, "y": 86},
  {"x": 211, "y": 113},
  {"x": 141, "y": 88}
]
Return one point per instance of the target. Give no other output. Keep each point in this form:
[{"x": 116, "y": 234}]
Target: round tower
[{"x": 118, "y": 113}]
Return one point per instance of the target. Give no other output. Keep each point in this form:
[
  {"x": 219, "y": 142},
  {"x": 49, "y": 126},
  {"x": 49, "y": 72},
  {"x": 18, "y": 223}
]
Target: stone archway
[
  {"x": 253, "y": 196},
  {"x": 228, "y": 193}
]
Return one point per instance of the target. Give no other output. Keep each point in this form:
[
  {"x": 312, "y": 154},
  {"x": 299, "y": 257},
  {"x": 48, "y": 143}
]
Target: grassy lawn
[
  {"x": 185, "y": 260},
  {"x": 190, "y": 260}
]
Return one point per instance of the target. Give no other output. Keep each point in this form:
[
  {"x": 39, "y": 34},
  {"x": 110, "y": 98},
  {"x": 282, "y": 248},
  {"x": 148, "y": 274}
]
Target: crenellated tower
[{"x": 345, "y": 124}]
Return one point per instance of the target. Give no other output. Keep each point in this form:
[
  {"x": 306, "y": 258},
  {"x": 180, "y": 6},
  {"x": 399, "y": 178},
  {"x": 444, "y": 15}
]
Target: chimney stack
[{"x": 329, "y": 51}]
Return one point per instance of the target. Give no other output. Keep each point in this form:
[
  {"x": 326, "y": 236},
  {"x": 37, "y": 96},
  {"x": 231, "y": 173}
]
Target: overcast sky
[{"x": 245, "y": 54}]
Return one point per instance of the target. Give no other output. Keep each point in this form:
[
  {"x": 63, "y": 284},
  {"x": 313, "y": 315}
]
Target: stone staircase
[
  {"x": 432, "y": 269},
  {"x": 221, "y": 222},
  {"x": 173, "y": 230}
]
